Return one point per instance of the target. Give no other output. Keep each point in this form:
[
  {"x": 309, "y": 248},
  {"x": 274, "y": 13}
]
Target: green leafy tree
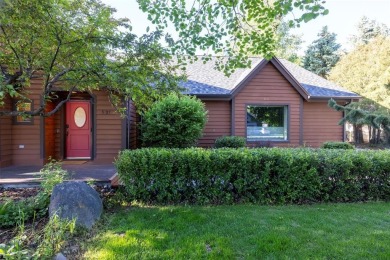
[
  {"x": 368, "y": 30},
  {"x": 322, "y": 54},
  {"x": 176, "y": 121},
  {"x": 366, "y": 71},
  {"x": 365, "y": 113},
  {"x": 230, "y": 28},
  {"x": 77, "y": 45},
  {"x": 287, "y": 44}
]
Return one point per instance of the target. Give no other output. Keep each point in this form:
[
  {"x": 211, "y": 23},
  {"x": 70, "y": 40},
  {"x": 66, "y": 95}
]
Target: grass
[{"x": 329, "y": 231}]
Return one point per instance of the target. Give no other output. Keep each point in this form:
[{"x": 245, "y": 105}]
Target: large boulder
[{"x": 78, "y": 200}]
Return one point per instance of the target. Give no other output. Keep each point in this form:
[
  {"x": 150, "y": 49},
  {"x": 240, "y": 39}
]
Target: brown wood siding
[
  {"x": 58, "y": 137},
  {"x": 28, "y": 135},
  {"x": 320, "y": 124},
  {"x": 6, "y": 136},
  {"x": 108, "y": 129},
  {"x": 269, "y": 87},
  {"x": 218, "y": 123},
  {"x": 133, "y": 119},
  {"x": 50, "y": 140}
]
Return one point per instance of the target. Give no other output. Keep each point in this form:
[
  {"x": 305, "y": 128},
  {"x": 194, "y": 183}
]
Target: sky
[{"x": 342, "y": 18}]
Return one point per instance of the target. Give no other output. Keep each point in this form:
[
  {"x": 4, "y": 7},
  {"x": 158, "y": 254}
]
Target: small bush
[
  {"x": 260, "y": 175},
  {"x": 13, "y": 212},
  {"x": 174, "y": 122},
  {"x": 337, "y": 145},
  {"x": 230, "y": 142}
]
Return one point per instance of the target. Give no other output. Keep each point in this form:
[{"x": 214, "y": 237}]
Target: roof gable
[{"x": 204, "y": 80}]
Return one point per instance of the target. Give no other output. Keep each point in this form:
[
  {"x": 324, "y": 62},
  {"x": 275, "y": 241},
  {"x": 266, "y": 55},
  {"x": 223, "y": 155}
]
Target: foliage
[
  {"x": 52, "y": 174},
  {"x": 337, "y": 145},
  {"x": 174, "y": 121},
  {"x": 368, "y": 30},
  {"x": 230, "y": 142},
  {"x": 77, "y": 44},
  {"x": 265, "y": 175},
  {"x": 55, "y": 233},
  {"x": 320, "y": 231},
  {"x": 231, "y": 28},
  {"x": 14, "y": 249},
  {"x": 53, "y": 236},
  {"x": 287, "y": 45},
  {"x": 322, "y": 54},
  {"x": 365, "y": 70},
  {"x": 377, "y": 120},
  {"x": 13, "y": 212}
]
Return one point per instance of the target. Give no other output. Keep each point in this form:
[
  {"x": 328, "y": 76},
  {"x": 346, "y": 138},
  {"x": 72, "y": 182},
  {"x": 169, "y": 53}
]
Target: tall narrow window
[
  {"x": 22, "y": 107},
  {"x": 267, "y": 123}
]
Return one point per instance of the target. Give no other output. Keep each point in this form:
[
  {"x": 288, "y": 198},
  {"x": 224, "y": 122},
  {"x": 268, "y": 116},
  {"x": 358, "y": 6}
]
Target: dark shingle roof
[
  {"x": 315, "y": 85},
  {"x": 204, "y": 79}
]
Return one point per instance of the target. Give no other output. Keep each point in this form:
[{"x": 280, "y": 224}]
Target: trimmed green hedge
[
  {"x": 263, "y": 175},
  {"x": 337, "y": 145},
  {"x": 230, "y": 142}
]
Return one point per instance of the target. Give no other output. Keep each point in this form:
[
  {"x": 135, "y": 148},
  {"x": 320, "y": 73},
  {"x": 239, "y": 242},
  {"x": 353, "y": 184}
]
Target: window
[
  {"x": 267, "y": 123},
  {"x": 23, "y": 106}
]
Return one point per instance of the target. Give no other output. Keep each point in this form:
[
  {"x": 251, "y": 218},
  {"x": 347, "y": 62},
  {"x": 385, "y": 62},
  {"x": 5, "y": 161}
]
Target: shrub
[
  {"x": 337, "y": 145},
  {"x": 175, "y": 121},
  {"x": 230, "y": 142},
  {"x": 261, "y": 175},
  {"x": 13, "y": 212}
]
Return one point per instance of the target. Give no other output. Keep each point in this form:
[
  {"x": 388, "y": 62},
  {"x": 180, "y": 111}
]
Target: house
[
  {"x": 274, "y": 101},
  {"x": 87, "y": 127}
]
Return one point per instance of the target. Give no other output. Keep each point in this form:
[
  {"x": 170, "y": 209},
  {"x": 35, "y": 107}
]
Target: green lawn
[{"x": 347, "y": 231}]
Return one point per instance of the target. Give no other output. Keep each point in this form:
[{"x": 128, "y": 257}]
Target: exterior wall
[
  {"x": 108, "y": 129},
  {"x": 218, "y": 123},
  {"x": 6, "y": 136},
  {"x": 50, "y": 138},
  {"x": 26, "y": 139},
  {"x": 320, "y": 124},
  {"x": 133, "y": 120},
  {"x": 269, "y": 87}
]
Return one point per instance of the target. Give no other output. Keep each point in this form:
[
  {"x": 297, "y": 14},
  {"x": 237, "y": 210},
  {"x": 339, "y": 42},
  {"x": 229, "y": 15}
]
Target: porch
[{"x": 81, "y": 171}]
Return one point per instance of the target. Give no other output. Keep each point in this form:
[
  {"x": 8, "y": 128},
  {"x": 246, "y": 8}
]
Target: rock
[
  {"x": 76, "y": 200},
  {"x": 59, "y": 256}
]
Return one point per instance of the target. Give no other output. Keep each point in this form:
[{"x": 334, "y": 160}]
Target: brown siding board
[
  {"x": 6, "y": 136},
  {"x": 218, "y": 124},
  {"x": 108, "y": 129},
  {"x": 28, "y": 135},
  {"x": 320, "y": 124},
  {"x": 269, "y": 87}
]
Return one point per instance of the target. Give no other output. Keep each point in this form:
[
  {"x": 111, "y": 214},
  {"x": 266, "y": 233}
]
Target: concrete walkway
[{"x": 29, "y": 175}]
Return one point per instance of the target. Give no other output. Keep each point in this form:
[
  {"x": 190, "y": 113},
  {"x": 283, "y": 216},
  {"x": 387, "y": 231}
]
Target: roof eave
[
  {"x": 225, "y": 97},
  {"x": 333, "y": 97}
]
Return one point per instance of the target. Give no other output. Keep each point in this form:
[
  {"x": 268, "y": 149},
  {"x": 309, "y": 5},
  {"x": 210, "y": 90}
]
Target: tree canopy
[
  {"x": 366, "y": 71},
  {"x": 367, "y": 30},
  {"x": 229, "y": 28},
  {"x": 77, "y": 45},
  {"x": 322, "y": 54},
  {"x": 287, "y": 44}
]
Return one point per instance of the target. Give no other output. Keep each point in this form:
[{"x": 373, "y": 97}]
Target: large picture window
[{"x": 266, "y": 123}]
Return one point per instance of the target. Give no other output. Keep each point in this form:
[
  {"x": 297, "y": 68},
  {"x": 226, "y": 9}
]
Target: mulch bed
[
  {"x": 32, "y": 228},
  {"x": 16, "y": 194}
]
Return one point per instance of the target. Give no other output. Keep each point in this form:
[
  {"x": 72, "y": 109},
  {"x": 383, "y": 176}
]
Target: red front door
[{"x": 78, "y": 130}]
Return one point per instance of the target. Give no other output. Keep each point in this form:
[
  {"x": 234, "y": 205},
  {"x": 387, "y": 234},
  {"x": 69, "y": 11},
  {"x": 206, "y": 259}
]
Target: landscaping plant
[
  {"x": 261, "y": 175},
  {"x": 230, "y": 142},
  {"x": 337, "y": 145},
  {"x": 176, "y": 121}
]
